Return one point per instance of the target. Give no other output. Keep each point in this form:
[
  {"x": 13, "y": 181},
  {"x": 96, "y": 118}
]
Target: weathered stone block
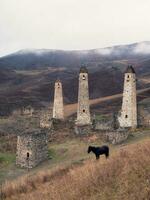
[
  {"x": 116, "y": 137},
  {"x": 82, "y": 130}
]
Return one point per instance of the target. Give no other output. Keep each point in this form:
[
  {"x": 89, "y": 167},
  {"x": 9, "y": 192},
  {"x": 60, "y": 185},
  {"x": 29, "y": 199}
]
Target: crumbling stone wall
[
  {"x": 143, "y": 116},
  {"x": 106, "y": 122},
  {"x": 116, "y": 137},
  {"x": 83, "y": 130},
  {"x": 45, "y": 120},
  {"x": 31, "y": 148},
  {"x": 103, "y": 125},
  {"x": 28, "y": 111}
]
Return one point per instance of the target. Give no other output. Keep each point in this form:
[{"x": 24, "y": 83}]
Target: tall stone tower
[
  {"x": 83, "y": 111},
  {"x": 58, "y": 107},
  {"x": 128, "y": 116}
]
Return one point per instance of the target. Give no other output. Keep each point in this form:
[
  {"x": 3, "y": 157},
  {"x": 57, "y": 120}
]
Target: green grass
[
  {"x": 6, "y": 159},
  {"x": 101, "y": 117},
  {"x": 64, "y": 151}
]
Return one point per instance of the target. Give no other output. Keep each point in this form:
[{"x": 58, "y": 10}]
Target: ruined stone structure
[
  {"x": 32, "y": 148},
  {"x": 46, "y": 119},
  {"x": 128, "y": 117},
  {"x": 28, "y": 111},
  {"x": 58, "y": 107},
  {"x": 115, "y": 137},
  {"x": 83, "y": 111},
  {"x": 83, "y": 129},
  {"x": 108, "y": 123},
  {"x": 144, "y": 113}
]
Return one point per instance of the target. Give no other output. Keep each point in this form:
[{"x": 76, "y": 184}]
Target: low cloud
[
  {"x": 105, "y": 51},
  {"x": 143, "y": 48}
]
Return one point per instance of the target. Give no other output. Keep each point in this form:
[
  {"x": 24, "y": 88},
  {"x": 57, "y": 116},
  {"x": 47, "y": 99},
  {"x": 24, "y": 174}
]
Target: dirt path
[
  {"x": 145, "y": 80},
  {"x": 71, "y": 108}
]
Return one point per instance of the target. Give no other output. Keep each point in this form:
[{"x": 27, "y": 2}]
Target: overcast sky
[{"x": 72, "y": 24}]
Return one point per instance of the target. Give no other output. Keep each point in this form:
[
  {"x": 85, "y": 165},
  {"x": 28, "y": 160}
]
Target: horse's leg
[
  {"x": 97, "y": 157},
  {"x": 106, "y": 155}
]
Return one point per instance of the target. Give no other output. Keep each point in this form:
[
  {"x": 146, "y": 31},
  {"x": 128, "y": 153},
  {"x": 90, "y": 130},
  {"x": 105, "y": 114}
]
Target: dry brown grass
[{"x": 125, "y": 175}]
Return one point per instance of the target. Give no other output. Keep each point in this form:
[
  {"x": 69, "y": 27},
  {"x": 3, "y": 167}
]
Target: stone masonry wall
[
  {"x": 115, "y": 137},
  {"x": 58, "y": 108},
  {"x": 103, "y": 126},
  {"x": 143, "y": 117},
  {"x": 45, "y": 120},
  {"x": 83, "y": 111},
  {"x": 31, "y": 149},
  {"x": 128, "y": 116}
]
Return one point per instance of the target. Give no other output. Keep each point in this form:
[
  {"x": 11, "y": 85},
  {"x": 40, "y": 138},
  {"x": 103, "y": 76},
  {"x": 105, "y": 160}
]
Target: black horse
[{"x": 99, "y": 151}]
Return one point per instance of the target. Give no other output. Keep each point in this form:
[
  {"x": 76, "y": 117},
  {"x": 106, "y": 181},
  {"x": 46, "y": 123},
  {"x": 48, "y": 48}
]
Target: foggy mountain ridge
[{"x": 41, "y": 58}]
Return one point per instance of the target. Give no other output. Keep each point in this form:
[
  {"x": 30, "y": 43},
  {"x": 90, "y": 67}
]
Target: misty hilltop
[{"x": 137, "y": 54}]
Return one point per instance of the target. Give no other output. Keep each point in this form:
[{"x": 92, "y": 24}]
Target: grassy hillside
[{"x": 125, "y": 175}]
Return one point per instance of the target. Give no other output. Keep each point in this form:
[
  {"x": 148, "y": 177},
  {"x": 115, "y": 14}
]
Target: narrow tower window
[
  {"x": 126, "y": 116},
  {"x": 58, "y": 85},
  {"x": 83, "y": 77},
  {"x": 28, "y": 155},
  {"x": 84, "y": 110}
]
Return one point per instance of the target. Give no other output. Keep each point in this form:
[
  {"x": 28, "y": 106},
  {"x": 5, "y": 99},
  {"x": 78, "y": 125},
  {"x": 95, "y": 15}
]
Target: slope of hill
[
  {"x": 27, "y": 77},
  {"x": 97, "y": 103},
  {"x": 36, "y": 88},
  {"x": 125, "y": 175}
]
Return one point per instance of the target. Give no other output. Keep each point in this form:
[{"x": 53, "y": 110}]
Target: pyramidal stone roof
[
  {"x": 83, "y": 70},
  {"x": 58, "y": 80},
  {"x": 130, "y": 69}
]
